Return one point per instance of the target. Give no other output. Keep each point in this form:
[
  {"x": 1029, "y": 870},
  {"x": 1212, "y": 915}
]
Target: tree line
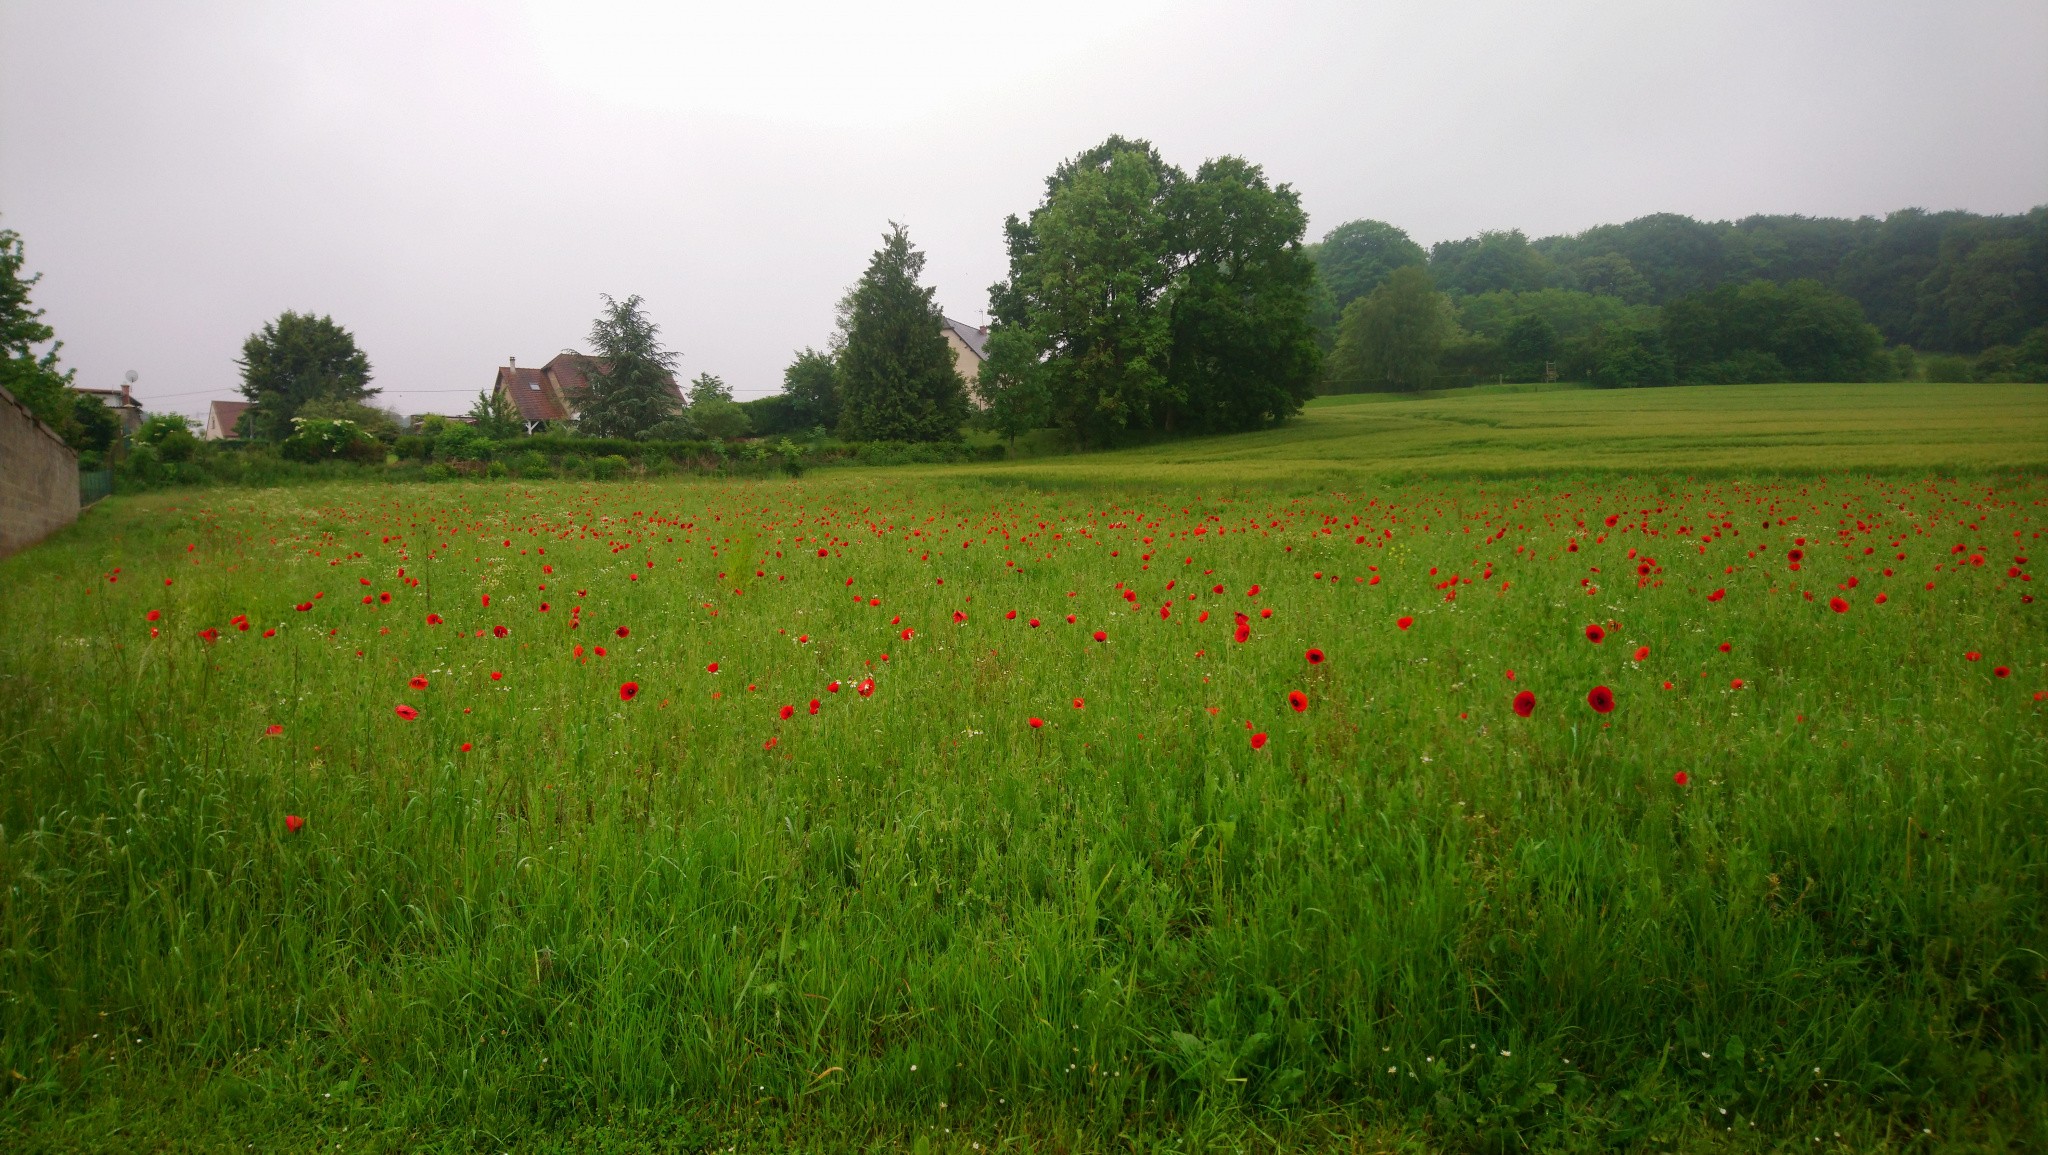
[
  {"x": 1667, "y": 299},
  {"x": 1141, "y": 299}
]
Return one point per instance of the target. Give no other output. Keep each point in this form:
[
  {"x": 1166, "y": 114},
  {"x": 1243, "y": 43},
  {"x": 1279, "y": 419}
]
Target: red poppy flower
[
  {"x": 1034, "y": 623},
  {"x": 833, "y": 688},
  {"x": 622, "y": 631},
  {"x": 599, "y": 650},
  {"x": 1838, "y": 605},
  {"x": 1244, "y": 632},
  {"x": 1034, "y": 722},
  {"x": 1682, "y": 778},
  {"x": 1298, "y": 700},
  {"x": 1735, "y": 684},
  {"x": 418, "y": 682},
  {"x": 1642, "y": 652},
  {"x": 293, "y": 823},
  {"x": 2002, "y": 671},
  {"x": 1101, "y": 635},
  {"x": 487, "y": 599},
  {"x": 152, "y": 615},
  {"x": 712, "y": 668},
  {"x": 1011, "y": 616},
  {"x": 274, "y": 730},
  {"x": 1595, "y": 634},
  {"x": 1259, "y": 740},
  {"x": 499, "y": 631},
  {"x": 1403, "y": 622},
  {"x": 1971, "y": 656},
  {"x": 1078, "y": 703},
  {"x": 770, "y": 743},
  {"x": 1070, "y": 619},
  {"x": 1717, "y": 595},
  {"x": 1511, "y": 675},
  {"x": 404, "y": 711},
  {"x": 1667, "y": 685},
  {"x": 1314, "y": 656},
  {"x": 1601, "y": 699},
  {"x": 866, "y": 689},
  {"x": 433, "y": 619},
  {"x": 959, "y": 616},
  {"x": 1525, "y": 704},
  {"x": 384, "y": 598},
  {"x": 628, "y": 690},
  {"x": 1724, "y": 647}
]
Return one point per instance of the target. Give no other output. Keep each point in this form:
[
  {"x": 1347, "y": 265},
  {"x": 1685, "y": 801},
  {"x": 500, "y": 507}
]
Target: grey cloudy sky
[{"x": 458, "y": 182}]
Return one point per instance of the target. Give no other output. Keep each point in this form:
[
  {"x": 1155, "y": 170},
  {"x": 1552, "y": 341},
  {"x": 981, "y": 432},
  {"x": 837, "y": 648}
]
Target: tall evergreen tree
[
  {"x": 896, "y": 375},
  {"x": 630, "y": 374},
  {"x": 296, "y": 359}
]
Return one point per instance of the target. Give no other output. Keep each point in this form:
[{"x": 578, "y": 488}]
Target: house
[
  {"x": 221, "y": 419},
  {"x": 122, "y": 401},
  {"x": 552, "y": 393},
  {"x": 970, "y": 348}
]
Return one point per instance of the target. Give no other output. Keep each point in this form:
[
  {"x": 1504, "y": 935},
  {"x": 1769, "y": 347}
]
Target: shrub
[
  {"x": 329, "y": 439},
  {"x": 609, "y": 466}
]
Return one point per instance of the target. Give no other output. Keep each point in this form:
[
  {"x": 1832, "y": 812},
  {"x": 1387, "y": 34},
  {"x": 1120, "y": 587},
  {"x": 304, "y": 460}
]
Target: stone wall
[{"x": 38, "y": 478}]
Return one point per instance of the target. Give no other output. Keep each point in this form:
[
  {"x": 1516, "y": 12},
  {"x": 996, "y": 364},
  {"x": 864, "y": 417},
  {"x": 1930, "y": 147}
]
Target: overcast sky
[{"x": 458, "y": 183}]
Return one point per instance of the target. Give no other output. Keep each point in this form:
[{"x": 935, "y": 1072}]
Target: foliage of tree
[
  {"x": 2026, "y": 361},
  {"x": 1392, "y": 338},
  {"x": 1243, "y": 352},
  {"x": 1357, "y": 257},
  {"x": 631, "y": 376},
  {"x": 31, "y": 376},
  {"x": 897, "y": 381},
  {"x": 1951, "y": 281},
  {"x": 382, "y": 424},
  {"x": 494, "y": 416},
  {"x": 170, "y": 435},
  {"x": 1139, "y": 299},
  {"x": 713, "y": 411},
  {"x": 1761, "y": 331},
  {"x": 296, "y": 359},
  {"x": 1530, "y": 343},
  {"x": 93, "y": 427},
  {"x": 1489, "y": 263},
  {"x": 811, "y": 383},
  {"x": 1629, "y": 357}
]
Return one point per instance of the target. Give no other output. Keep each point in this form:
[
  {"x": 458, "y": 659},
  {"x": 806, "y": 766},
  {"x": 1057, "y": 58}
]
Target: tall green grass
[{"x": 915, "y": 922}]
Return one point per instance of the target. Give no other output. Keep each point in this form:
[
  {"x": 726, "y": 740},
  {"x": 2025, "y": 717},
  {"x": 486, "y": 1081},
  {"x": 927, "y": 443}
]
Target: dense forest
[{"x": 1666, "y": 298}]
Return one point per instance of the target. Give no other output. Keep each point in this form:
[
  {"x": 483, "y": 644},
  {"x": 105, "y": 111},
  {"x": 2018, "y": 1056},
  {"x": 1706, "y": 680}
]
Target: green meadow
[{"x": 1179, "y": 798}]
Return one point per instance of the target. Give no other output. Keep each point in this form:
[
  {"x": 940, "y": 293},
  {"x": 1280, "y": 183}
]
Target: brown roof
[
  {"x": 549, "y": 392},
  {"x": 530, "y": 394},
  {"x": 224, "y": 415}
]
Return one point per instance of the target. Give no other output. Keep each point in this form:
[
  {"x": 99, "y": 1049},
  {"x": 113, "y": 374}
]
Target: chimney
[{"x": 512, "y": 361}]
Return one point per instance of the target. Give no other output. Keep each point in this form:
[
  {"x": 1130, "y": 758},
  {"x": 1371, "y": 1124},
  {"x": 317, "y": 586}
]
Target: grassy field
[
  {"x": 1174, "y": 799},
  {"x": 1530, "y": 430}
]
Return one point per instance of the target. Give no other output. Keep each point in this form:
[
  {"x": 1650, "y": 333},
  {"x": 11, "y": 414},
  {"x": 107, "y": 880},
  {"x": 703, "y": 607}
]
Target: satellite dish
[{"x": 131, "y": 377}]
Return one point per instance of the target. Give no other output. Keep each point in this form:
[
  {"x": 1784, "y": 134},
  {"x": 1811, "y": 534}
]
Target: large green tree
[
  {"x": 1391, "y": 339},
  {"x": 897, "y": 380},
  {"x": 1243, "y": 350},
  {"x": 631, "y": 376},
  {"x": 296, "y": 359},
  {"x": 1080, "y": 330},
  {"x": 31, "y": 375},
  {"x": 1141, "y": 299},
  {"x": 1357, "y": 257}
]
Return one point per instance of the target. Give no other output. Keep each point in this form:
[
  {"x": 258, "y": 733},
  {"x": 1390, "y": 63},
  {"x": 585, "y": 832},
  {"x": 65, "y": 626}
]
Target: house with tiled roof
[
  {"x": 550, "y": 395},
  {"x": 221, "y": 419},
  {"x": 970, "y": 348}
]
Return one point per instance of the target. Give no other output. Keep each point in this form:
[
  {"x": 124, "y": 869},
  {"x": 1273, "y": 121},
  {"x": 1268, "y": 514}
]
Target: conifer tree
[{"x": 897, "y": 381}]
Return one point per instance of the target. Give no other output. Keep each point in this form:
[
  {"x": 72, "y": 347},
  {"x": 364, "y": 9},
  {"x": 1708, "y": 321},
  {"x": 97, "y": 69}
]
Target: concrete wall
[{"x": 38, "y": 478}]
